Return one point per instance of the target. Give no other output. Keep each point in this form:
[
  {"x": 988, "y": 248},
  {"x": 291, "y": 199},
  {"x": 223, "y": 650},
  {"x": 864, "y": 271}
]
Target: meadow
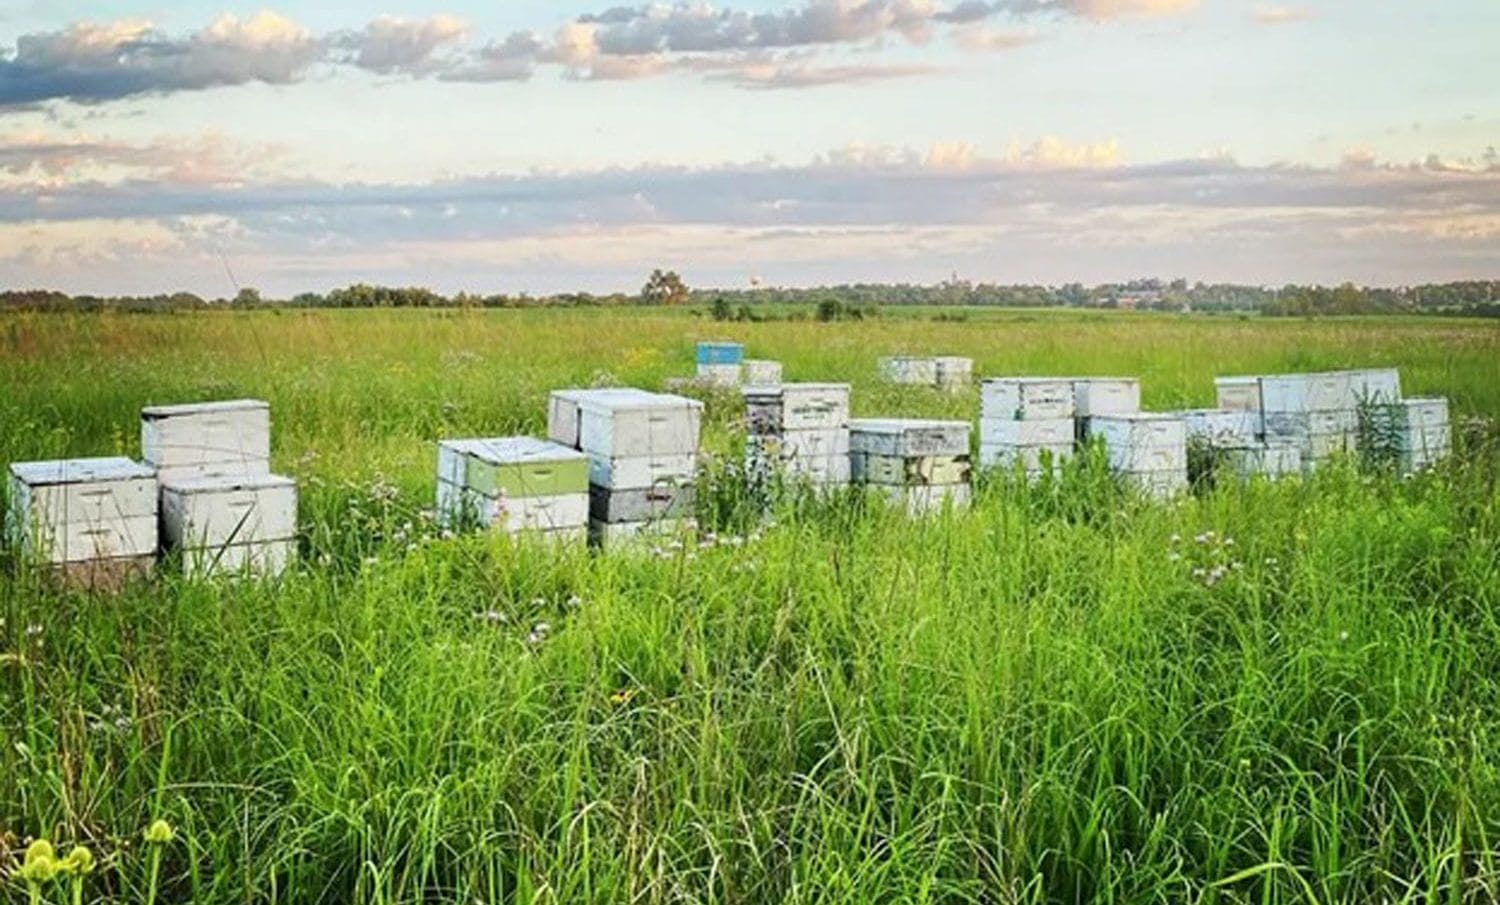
[{"x": 1263, "y": 693}]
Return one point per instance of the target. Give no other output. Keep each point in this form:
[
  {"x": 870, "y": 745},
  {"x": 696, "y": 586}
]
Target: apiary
[
  {"x": 1223, "y": 429},
  {"x": 207, "y": 440},
  {"x": 1272, "y": 460},
  {"x": 1026, "y": 398},
  {"x": 1106, "y": 396},
  {"x": 228, "y": 525},
  {"x": 800, "y": 430},
  {"x": 513, "y": 484},
  {"x": 93, "y": 520},
  {"x": 642, "y": 451},
  {"x": 953, "y": 372},
  {"x": 908, "y": 369},
  {"x": 1149, "y": 451},
  {"x": 762, "y": 373},
  {"x": 919, "y": 462},
  {"x": 1412, "y": 434}
]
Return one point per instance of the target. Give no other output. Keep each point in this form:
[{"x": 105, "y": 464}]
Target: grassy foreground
[{"x": 1271, "y": 693}]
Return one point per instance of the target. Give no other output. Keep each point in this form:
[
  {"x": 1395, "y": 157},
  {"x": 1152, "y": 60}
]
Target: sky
[{"x": 526, "y": 146}]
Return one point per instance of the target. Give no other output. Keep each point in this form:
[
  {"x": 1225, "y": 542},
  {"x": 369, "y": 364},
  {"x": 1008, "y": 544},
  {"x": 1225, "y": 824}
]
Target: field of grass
[{"x": 1053, "y": 697}]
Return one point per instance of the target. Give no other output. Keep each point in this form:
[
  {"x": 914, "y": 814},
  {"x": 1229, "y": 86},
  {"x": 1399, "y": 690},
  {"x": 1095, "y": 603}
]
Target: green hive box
[{"x": 513, "y": 467}]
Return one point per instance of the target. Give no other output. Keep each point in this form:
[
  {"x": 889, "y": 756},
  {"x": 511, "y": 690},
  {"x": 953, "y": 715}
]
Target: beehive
[
  {"x": 1026, "y": 398},
  {"x": 721, "y": 364},
  {"x": 1238, "y": 394},
  {"x": 1223, "y": 428},
  {"x": 93, "y": 520},
  {"x": 206, "y": 440},
  {"x": 909, "y": 369},
  {"x": 761, "y": 373},
  {"x": 1149, "y": 451},
  {"x": 1036, "y": 445},
  {"x": 921, "y": 463},
  {"x": 800, "y": 430},
  {"x": 231, "y": 525},
  {"x": 952, "y": 372},
  {"x": 1106, "y": 396},
  {"x": 1272, "y": 460},
  {"x": 514, "y": 485},
  {"x": 1412, "y": 434},
  {"x": 642, "y": 456}
]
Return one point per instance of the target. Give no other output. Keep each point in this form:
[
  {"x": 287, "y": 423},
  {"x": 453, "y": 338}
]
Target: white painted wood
[
  {"x": 634, "y": 472},
  {"x": 1315, "y": 392},
  {"x": 1006, "y": 432},
  {"x": 623, "y": 426},
  {"x": 1027, "y": 398},
  {"x": 457, "y": 505},
  {"x": 721, "y": 375},
  {"x": 908, "y": 369},
  {"x": 641, "y": 505},
  {"x": 1238, "y": 393},
  {"x": 909, "y": 471},
  {"x": 208, "y": 434},
  {"x": 797, "y": 406},
  {"x": 954, "y": 372},
  {"x": 1268, "y": 460},
  {"x": 1106, "y": 396},
  {"x": 640, "y": 535},
  {"x": 909, "y": 437},
  {"x": 1426, "y": 411},
  {"x": 265, "y": 559},
  {"x": 214, "y": 513},
  {"x": 1142, "y": 442},
  {"x": 563, "y": 421},
  {"x": 760, "y": 372},
  {"x": 86, "y": 490},
  {"x": 1375, "y": 386},
  {"x": 80, "y": 541}
]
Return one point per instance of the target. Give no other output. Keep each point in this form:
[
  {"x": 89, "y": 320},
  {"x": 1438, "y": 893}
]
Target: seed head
[
  {"x": 80, "y": 861},
  {"x": 159, "y": 832}
]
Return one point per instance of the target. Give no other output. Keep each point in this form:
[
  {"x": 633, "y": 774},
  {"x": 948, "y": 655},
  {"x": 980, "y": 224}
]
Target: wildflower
[
  {"x": 40, "y": 865},
  {"x": 538, "y": 634},
  {"x": 1201, "y": 539},
  {"x": 622, "y": 697},
  {"x": 1174, "y": 556},
  {"x": 1344, "y": 635},
  {"x": 159, "y": 832},
  {"x": 33, "y": 630},
  {"x": 573, "y": 602},
  {"x": 1229, "y": 542},
  {"x": 80, "y": 861},
  {"x": 493, "y": 617},
  {"x": 1174, "y": 539}
]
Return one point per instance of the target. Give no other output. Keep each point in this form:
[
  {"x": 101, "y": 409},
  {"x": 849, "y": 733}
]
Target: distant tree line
[{"x": 1479, "y": 298}]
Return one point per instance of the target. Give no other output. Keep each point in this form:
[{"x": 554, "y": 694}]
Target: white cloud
[
  {"x": 391, "y": 44},
  {"x": 1280, "y": 15}
]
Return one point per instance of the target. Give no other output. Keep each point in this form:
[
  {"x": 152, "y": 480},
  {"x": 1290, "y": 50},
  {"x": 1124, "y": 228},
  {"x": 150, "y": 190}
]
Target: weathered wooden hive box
[
  {"x": 207, "y": 439},
  {"x": 1026, "y": 422},
  {"x": 953, "y": 372},
  {"x": 920, "y": 464},
  {"x": 1413, "y": 434},
  {"x": 220, "y": 504},
  {"x": 1106, "y": 396},
  {"x": 93, "y": 520},
  {"x": 800, "y": 430},
  {"x": 909, "y": 369},
  {"x": 514, "y": 485},
  {"x": 760, "y": 372},
  {"x": 642, "y": 451},
  {"x": 1272, "y": 460},
  {"x": 1148, "y": 450},
  {"x": 721, "y": 363},
  {"x": 1223, "y": 428},
  {"x": 231, "y": 525}
]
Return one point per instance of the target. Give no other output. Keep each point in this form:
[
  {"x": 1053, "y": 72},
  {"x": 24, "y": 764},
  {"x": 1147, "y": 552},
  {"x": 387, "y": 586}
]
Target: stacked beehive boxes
[
  {"x": 514, "y": 485},
  {"x": 1230, "y": 441},
  {"x": 1411, "y": 434},
  {"x": 800, "y": 430},
  {"x": 643, "y": 457},
  {"x": 919, "y": 464},
  {"x": 953, "y": 373},
  {"x": 1315, "y": 412},
  {"x": 220, "y": 505},
  {"x": 1148, "y": 450},
  {"x": 1105, "y": 396},
  {"x": 94, "y": 521},
  {"x": 1026, "y": 421},
  {"x": 761, "y": 373},
  {"x": 910, "y": 370},
  {"x": 720, "y": 363}
]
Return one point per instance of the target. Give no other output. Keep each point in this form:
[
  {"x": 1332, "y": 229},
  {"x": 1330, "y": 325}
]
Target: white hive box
[
  {"x": 1106, "y": 396},
  {"x": 210, "y": 439},
  {"x": 926, "y": 500},
  {"x": 634, "y": 472},
  {"x": 1376, "y": 386},
  {"x": 908, "y": 369},
  {"x": 641, "y": 535},
  {"x": 1319, "y": 434},
  {"x": 759, "y": 372},
  {"x": 796, "y": 406},
  {"x": 909, "y": 471},
  {"x": 1238, "y": 394},
  {"x": 648, "y": 504},
  {"x": 1004, "y": 443},
  {"x": 1319, "y": 392},
  {"x": 231, "y": 525},
  {"x": 1272, "y": 460},
  {"x": 1033, "y": 459},
  {"x": 720, "y": 375},
  {"x": 83, "y": 510},
  {"x": 1223, "y": 428},
  {"x": 1026, "y": 398},
  {"x": 1415, "y": 432},
  {"x": 953, "y": 372},
  {"x": 908, "y": 437},
  {"x": 659, "y": 424},
  {"x": 512, "y": 515},
  {"x": 1143, "y": 442},
  {"x": 564, "y": 419}
]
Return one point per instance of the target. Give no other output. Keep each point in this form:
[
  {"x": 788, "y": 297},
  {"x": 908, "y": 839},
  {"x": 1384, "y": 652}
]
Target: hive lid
[
  {"x": 153, "y": 412},
  {"x": 632, "y": 400},
  {"x": 517, "y": 450},
  {"x": 900, "y": 425},
  {"x": 80, "y": 471},
  {"x": 228, "y": 483}
]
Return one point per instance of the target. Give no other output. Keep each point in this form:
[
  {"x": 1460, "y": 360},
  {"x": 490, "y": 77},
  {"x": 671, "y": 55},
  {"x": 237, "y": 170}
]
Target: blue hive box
[{"x": 720, "y": 353}]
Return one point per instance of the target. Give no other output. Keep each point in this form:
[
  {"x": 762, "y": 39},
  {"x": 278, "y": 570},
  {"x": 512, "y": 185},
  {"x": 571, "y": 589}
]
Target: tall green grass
[{"x": 1267, "y": 693}]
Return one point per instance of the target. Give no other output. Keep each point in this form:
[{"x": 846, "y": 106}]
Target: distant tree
[
  {"x": 664, "y": 287},
  {"x": 721, "y": 310},
  {"x": 830, "y": 310},
  {"x": 247, "y": 297}
]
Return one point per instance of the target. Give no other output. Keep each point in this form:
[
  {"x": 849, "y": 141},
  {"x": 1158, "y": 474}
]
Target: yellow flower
[
  {"x": 622, "y": 697},
  {"x": 40, "y": 864},
  {"x": 80, "y": 860},
  {"x": 159, "y": 832},
  {"x": 38, "y": 850}
]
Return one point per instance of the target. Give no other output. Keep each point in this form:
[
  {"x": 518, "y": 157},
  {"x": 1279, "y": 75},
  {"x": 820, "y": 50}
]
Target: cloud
[
  {"x": 90, "y": 63},
  {"x": 983, "y": 39},
  {"x": 773, "y": 75},
  {"x": 391, "y": 45},
  {"x": 1280, "y": 15}
]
